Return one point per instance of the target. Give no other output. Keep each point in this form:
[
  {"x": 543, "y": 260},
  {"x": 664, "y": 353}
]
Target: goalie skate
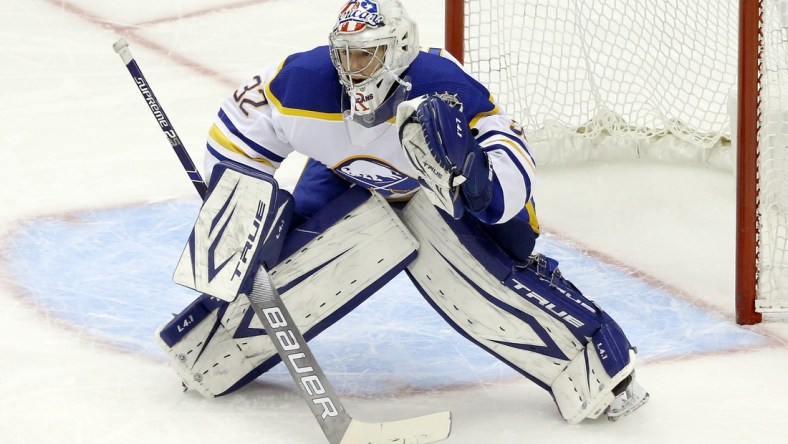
[{"x": 631, "y": 398}]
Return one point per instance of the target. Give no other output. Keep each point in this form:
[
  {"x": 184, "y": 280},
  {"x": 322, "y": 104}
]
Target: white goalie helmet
[{"x": 372, "y": 44}]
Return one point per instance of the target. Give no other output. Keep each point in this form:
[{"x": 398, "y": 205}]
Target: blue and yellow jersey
[{"x": 296, "y": 105}]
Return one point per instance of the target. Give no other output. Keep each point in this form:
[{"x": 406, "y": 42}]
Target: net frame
[{"x": 754, "y": 35}]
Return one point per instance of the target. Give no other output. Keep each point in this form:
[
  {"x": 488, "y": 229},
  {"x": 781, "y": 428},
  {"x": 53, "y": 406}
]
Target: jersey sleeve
[
  {"x": 512, "y": 163},
  {"x": 245, "y": 129}
]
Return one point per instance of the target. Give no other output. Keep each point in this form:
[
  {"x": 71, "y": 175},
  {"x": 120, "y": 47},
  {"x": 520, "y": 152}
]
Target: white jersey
[{"x": 296, "y": 105}]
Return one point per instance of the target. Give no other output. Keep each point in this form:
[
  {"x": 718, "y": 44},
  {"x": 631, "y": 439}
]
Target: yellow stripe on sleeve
[
  {"x": 218, "y": 136},
  {"x": 534, "y": 222},
  {"x": 518, "y": 149},
  {"x": 491, "y": 112}
]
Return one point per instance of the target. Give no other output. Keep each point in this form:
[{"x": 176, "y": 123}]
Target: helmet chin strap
[
  {"x": 408, "y": 86},
  {"x": 397, "y": 78}
]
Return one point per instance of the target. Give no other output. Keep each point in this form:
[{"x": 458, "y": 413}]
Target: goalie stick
[
  {"x": 337, "y": 425},
  {"x": 121, "y": 47}
]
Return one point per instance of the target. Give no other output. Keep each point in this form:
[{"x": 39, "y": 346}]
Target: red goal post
[
  {"x": 747, "y": 164},
  {"x": 596, "y": 79}
]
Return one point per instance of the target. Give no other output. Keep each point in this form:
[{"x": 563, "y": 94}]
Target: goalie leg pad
[
  {"x": 332, "y": 263},
  {"x": 529, "y": 317}
]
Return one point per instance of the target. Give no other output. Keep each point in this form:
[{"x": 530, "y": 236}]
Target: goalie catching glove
[{"x": 453, "y": 170}]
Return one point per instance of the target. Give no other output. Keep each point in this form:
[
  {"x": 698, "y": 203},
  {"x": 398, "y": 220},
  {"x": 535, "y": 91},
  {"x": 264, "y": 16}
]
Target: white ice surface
[{"x": 76, "y": 136}]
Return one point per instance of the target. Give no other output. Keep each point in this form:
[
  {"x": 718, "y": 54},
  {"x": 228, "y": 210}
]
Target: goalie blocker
[{"x": 529, "y": 317}]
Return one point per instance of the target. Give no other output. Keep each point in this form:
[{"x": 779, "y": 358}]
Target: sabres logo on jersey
[
  {"x": 377, "y": 175},
  {"x": 356, "y": 15}
]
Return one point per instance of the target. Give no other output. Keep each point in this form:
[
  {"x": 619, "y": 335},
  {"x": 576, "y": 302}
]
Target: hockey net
[{"x": 609, "y": 79}]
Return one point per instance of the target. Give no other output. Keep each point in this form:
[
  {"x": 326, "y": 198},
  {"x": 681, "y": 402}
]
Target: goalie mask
[{"x": 372, "y": 44}]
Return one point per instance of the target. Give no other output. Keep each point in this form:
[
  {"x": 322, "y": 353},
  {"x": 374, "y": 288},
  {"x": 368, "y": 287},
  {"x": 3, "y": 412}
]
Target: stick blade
[{"x": 420, "y": 430}]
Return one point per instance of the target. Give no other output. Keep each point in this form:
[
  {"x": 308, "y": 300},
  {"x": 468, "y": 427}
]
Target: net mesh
[
  {"x": 619, "y": 79},
  {"x": 773, "y": 160},
  {"x": 577, "y": 71}
]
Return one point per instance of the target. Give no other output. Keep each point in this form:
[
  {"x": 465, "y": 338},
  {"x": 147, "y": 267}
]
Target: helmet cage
[
  {"x": 381, "y": 33},
  {"x": 376, "y": 52}
]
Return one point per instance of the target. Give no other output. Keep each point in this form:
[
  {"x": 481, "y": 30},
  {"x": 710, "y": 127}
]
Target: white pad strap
[{"x": 320, "y": 282}]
